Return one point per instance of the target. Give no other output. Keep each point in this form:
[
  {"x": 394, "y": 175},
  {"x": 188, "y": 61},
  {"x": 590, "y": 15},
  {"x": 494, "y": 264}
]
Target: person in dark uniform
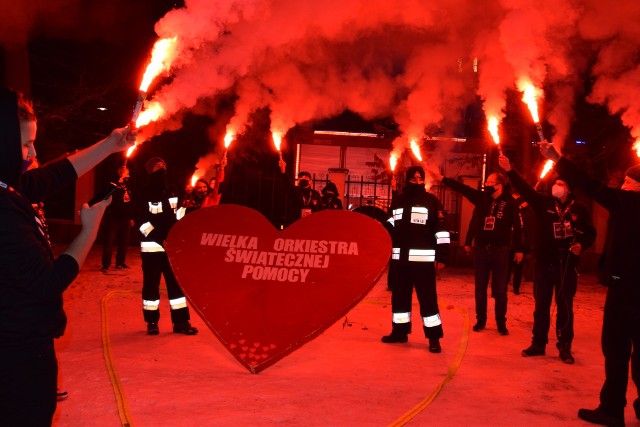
[
  {"x": 420, "y": 243},
  {"x": 330, "y": 199},
  {"x": 621, "y": 322},
  {"x": 303, "y": 200},
  {"x": 496, "y": 232},
  {"x": 118, "y": 220},
  {"x": 158, "y": 212},
  {"x": 32, "y": 278},
  {"x": 563, "y": 230}
]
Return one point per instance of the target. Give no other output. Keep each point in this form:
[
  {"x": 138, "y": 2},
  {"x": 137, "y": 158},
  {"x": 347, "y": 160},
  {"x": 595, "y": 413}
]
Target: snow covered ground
[{"x": 117, "y": 375}]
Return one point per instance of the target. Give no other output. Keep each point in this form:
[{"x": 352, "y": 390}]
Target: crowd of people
[{"x": 506, "y": 211}]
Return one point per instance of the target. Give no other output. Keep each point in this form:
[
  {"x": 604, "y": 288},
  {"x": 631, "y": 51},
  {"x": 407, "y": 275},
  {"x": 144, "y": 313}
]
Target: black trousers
[
  {"x": 620, "y": 342},
  {"x": 422, "y": 277},
  {"x": 28, "y": 381},
  {"x": 155, "y": 265},
  {"x": 561, "y": 278},
  {"x": 116, "y": 230},
  {"x": 491, "y": 262}
]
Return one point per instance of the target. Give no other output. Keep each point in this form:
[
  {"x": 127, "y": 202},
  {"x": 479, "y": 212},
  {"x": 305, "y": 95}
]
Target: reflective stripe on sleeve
[
  {"x": 181, "y": 213},
  {"x": 173, "y": 202},
  {"x": 402, "y": 317},
  {"x": 178, "y": 303},
  {"x": 395, "y": 253},
  {"x": 442, "y": 237},
  {"x": 150, "y": 305},
  {"x": 431, "y": 321},
  {"x": 150, "y": 247},
  {"x": 146, "y": 228},
  {"x": 397, "y": 214},
  {"x": 422, "y": 255},
  {"x": 155, "y": 208}
]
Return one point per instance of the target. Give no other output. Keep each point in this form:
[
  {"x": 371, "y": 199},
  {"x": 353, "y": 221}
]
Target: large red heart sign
[{"x": 265, "y": 292}]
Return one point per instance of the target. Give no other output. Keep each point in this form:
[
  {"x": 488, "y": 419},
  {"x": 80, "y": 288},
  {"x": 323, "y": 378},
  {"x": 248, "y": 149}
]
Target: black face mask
[
  {"x": 303, "y": 183},
  {"x": 412, "y": 189},
  {"x": 489, "y": 189},
  {"x": 158, "y": 183}
]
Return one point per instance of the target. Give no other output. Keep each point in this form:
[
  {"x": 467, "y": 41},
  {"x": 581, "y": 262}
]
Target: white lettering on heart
[
  {"x": 229, "y": 241},
  {"x": 258, "y": 272},
  {"x": 290, "y": 261},
  {"x": 316, "y": 246}
]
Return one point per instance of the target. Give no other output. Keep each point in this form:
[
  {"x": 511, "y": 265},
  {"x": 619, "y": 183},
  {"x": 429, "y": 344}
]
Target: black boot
[
  {"x": 394, "y": 337},
  {"x": 565, "y": 353},
  {"x": 184, "y": 328},
  {"x": 152, "y": 328},
  {"x": 479, "y": 326},
  {"x": 598, "y": 416},
  {"x": 434, "y": 345},
  {"x": 533, "y": 350}
]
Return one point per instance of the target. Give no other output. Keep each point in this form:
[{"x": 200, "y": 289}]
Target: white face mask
[{"x": 558, "y": 192}]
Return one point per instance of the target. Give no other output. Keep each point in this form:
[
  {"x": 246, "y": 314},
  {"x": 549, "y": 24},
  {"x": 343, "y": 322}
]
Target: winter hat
[
  {"x": 330, "y": 187},
  {"x": 411, "y": 172},
  {"x": 152, "y": 162},
  {"x": 633, "y": 173}
]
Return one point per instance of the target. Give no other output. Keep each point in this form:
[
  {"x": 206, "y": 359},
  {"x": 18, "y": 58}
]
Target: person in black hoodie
[
  {"x": 117, "y": 223},
  {"x": 496, "y": 230},
  {"x": 420, "y": 246},
  {"x": 330, "y": 198},
  {"x": 303, "y": 200},
  {"x": 563, "y": 230},
  {"x": 158, "y": 211},
  {"x": 621, "y": 322},
  {"x": 32, "y": 279}
]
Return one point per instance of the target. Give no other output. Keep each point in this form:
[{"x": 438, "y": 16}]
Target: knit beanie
[
  {"x": 411, "y": 172},
  {"x": 152, "y": 162},
  {"x": 633, "y": 173}
]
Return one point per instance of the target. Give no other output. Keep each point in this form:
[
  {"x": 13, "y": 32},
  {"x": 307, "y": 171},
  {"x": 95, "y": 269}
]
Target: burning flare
[
  {"x": 162, "y": 56},
  {"x": 228, "y": 139},
  {"x": 130, "y": 149},
  {"x": 492, "y": 124},
  {"x": 529, "y": 97},
  {"x": 547, "y": 167},
  {"x": 277, "y": 139},
  {"x": 153, "y": 112},
  {"x": 393, "y": 161},
  {"x": 415, "y": 149},
  {"x": 636, "y": 146}
]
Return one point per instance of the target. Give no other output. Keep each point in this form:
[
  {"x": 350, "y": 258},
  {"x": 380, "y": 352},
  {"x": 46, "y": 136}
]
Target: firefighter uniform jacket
[
  {"x": 156, "y": 218},
  {"x": 419, "y": 232}
]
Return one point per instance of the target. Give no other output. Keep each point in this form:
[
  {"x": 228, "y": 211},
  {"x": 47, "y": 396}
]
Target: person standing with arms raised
[
  {"x": 621, "y": 322},
  {"x": 32, "y": 279},
  {"x": 563, "y": 230},
  {"x": 496, "y": 231}
]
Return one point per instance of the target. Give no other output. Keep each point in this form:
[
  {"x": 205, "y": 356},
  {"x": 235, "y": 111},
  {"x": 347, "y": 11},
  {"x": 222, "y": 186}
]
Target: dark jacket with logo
[
  {"x": 550, "y": 243},
  {"x": 622, "y": 247},
  {"x": 506, "y": 230},
  {"x": 418, "y": 223}
]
